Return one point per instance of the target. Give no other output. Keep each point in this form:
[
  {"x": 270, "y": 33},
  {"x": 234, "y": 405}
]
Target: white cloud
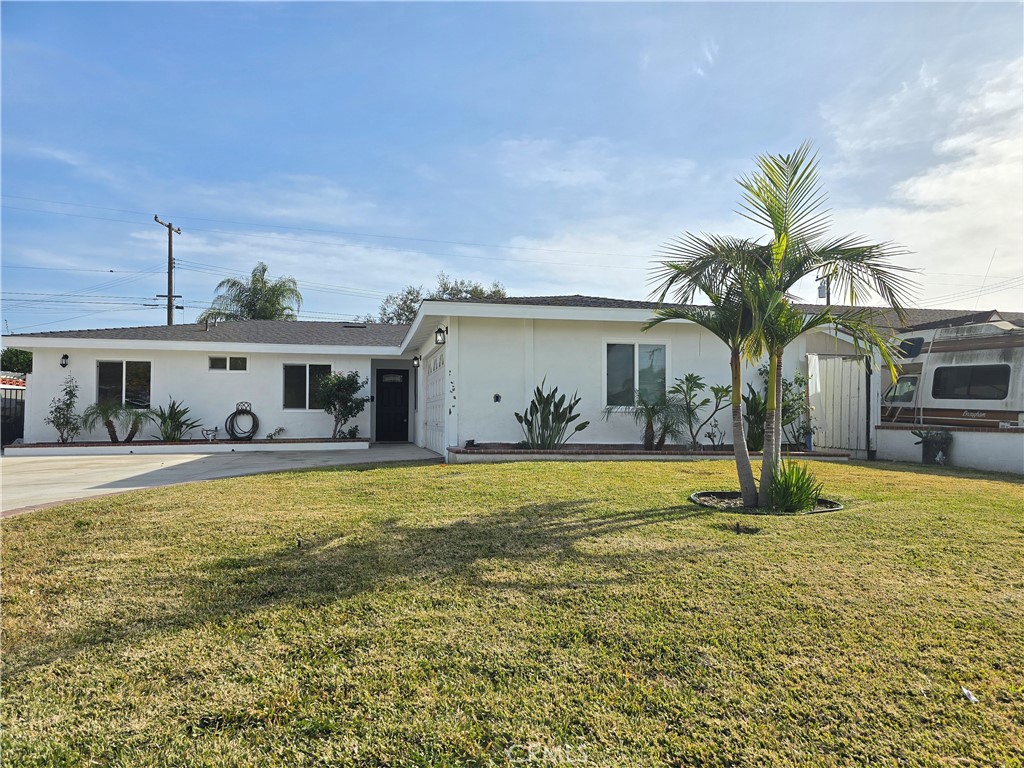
[{"x": 966, "y": 202}]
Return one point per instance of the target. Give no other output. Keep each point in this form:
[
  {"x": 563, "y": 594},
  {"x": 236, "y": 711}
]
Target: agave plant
[
  {"x": 172, "y": 422},
  {"x": 548, "y": 417}
]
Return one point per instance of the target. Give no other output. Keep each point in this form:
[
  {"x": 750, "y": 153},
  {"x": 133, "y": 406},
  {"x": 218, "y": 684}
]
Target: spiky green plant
[
  {"x": 173, "y": 422},
  {"x": 548, "y": 417}
]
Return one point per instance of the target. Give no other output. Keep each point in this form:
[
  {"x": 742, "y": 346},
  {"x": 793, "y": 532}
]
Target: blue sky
[{"x": 552, "y": 147}]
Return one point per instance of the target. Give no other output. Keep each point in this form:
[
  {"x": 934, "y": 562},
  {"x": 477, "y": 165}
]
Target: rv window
[
  {"x": 971, "y": 382},
  {"x": 902, "y": 391}
]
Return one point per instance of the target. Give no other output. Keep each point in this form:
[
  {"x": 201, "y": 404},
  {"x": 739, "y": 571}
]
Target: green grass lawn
[{"x": 521, "y": 614}]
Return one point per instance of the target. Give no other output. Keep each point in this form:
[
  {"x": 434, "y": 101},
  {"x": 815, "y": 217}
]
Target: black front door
[{"x": 392, "y": 399}]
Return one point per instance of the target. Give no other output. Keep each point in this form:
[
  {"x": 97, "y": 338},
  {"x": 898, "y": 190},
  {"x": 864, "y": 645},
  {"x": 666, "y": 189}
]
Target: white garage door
[{"x": 435, "y": 402}]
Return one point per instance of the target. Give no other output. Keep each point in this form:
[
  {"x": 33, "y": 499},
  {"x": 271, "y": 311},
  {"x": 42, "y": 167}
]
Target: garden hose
[{"x": 231, "y": 425}]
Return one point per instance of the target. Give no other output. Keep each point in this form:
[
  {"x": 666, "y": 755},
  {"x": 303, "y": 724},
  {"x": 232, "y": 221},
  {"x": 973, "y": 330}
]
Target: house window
[
  {"x": 301, "y": 385},
  {"x": 971, "y": 382},
  {"x": 126, "y": 382},
  {"x": 229, "y": 363},
  {"x": 633, "y": 367}
]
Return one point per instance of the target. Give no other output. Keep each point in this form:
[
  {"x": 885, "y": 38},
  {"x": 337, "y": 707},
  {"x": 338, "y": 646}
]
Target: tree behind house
[{"x": 400, "y": 308}]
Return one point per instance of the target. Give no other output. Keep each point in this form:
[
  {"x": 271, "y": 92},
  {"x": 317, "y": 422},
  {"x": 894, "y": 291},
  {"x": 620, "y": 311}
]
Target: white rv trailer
[{"x": 965, "y": 376}]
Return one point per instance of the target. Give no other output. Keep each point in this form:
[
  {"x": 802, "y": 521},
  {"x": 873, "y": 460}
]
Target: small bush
[
  {"x": 794, "y": 488},
  {"x": 62, "y": 415},
  {"x": 173, "y": 422}
]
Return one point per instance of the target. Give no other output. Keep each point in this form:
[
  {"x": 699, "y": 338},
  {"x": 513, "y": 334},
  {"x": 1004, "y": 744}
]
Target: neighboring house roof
[
  {"x": 12, "y": 381},
  {"x": 309, "y": 332},
  {"x": 917, "y": 318}
]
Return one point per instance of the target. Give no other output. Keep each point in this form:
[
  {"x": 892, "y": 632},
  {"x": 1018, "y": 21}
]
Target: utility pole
[{"x": 171, "y": 231}]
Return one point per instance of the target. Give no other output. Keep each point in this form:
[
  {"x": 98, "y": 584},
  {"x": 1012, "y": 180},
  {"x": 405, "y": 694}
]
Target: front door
[{"x": 392, "y": 399}]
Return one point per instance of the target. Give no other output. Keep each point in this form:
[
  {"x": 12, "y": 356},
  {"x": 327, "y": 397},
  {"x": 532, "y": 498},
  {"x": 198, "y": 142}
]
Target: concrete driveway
[{"x": 36, "y": 482}]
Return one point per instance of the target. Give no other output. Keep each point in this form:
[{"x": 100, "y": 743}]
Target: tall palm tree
[
  {"x": 258, "y": 298},
  {"x": 785, "y": 196},
  {"x": 730, "y": 319}
]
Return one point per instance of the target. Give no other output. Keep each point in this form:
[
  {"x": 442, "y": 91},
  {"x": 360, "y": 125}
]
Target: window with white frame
[
  {"x": 124, "y": 381},
  {"x": 302, "y": 385},
  {"x": 630, "y": 368},
  {"x": 225, "y": 363}
]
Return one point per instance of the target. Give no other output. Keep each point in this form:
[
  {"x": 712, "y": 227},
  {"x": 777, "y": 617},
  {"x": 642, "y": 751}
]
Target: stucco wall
[
  {"x": 510, "y": 357},
  {"x": 185, "y": 376},
  {"x": 986, "y": 450}
]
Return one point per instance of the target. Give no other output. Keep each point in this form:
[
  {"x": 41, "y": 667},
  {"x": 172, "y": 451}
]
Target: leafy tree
[
  {"x": 62, "y": 416},
  {"x": 339, "y": 394},
  {"x": 400, "y": 308},
  {"x": 16, "y": 360},
  {"x": 113, "y": 415},
  {"x": 258, "y": 298}
]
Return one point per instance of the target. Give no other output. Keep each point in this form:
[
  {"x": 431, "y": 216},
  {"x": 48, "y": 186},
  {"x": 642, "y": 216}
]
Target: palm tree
[
  {"x": 730, "y": 319},
  {"x": 661, "y": 417},
  {"x": 785, "y": 195},
  {"x": 258, "y": 298},
  {"x": 113, "y": 415}
]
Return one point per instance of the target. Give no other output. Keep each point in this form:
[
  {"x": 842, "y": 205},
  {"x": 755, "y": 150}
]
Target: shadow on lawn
[{"x": 318, "y": 571}]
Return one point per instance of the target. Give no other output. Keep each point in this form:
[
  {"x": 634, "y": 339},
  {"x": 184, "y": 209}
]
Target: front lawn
[{"x": 521, "y": 614}]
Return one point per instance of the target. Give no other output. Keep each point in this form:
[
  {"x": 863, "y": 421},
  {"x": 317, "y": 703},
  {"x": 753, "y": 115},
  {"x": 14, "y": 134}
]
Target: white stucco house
[{"x": 459, "y": 372}]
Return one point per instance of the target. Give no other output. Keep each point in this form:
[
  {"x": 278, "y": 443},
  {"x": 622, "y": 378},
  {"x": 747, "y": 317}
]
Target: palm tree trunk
[
  {"x": 649, "y": 435},
  {"x": 772, "y": 448},
  {"x": 111, "y": 431},
  {"x": 748, "y": 488}
]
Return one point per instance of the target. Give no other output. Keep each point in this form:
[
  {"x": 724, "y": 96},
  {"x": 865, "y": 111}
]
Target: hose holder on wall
[{"x": 231, "y": 425}]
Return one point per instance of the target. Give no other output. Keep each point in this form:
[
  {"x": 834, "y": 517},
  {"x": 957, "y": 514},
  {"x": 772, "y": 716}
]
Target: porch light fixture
[
  {"x": 440, "y": 334},
  {"x": 416, "y": 361},
  {"x": 64, "y": 360}
]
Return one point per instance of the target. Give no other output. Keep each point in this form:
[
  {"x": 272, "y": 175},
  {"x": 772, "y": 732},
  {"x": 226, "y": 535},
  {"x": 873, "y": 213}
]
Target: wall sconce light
[
  {"x": 416, "y": 361},
  {"x": 64, "y": 360},
  {"x": 440, "y": 334}
]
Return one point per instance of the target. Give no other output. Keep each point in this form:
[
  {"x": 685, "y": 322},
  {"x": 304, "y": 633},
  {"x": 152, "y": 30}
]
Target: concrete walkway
[{"x": 31, "y": 482}]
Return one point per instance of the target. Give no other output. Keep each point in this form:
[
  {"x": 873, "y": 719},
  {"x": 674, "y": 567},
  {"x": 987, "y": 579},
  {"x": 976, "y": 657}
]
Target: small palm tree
[
  {"x": 660, "y": 415},
  {"x": 113, "y": 415},
  {"x": 258, "y": 298}
]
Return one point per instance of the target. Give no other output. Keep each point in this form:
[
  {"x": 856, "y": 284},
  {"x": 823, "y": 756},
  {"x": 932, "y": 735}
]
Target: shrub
[
  {"x": 62, "y": 416},
  {"x": 794, "y": 488},
  {"x": 755, "y": 409},
  {"x": 548, "y": 418},
  {"x": 338, "y": 393},
  {"x": 687, "y": 390},
  {"x": 172, "y": 423}
]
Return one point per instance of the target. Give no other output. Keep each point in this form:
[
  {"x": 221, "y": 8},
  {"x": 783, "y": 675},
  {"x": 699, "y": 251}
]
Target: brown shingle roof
[{"x": 247, "y": 332}]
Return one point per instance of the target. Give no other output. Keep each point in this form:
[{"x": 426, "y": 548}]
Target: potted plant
[{"x": 935, "y": 444}]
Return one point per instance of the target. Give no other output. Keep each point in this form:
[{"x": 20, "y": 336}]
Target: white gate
[
  {"x": 839, "y": 391},
  {"x": 435, "y": 433}
]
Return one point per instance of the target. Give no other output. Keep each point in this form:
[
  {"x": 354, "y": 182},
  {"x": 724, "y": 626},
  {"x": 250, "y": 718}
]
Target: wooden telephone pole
[{"x": 171, "y": 232}]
